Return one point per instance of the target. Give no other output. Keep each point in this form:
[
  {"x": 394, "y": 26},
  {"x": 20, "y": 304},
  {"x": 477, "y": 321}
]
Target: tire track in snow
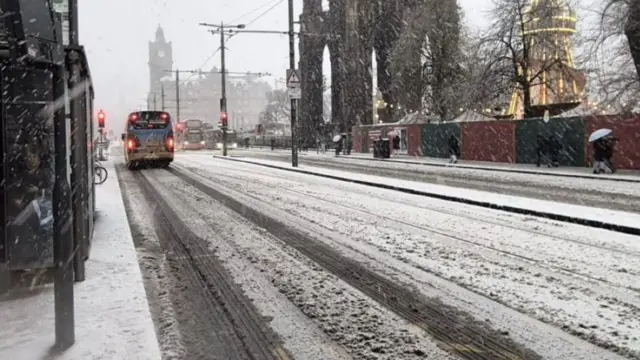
[{"x": 608, "y": 297}]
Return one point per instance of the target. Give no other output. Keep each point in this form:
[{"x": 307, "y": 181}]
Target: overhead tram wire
[
  {"x": 256, "y": 10},
  {"x": 273, "y": 4},
  {"x": 265, "y": 12}
]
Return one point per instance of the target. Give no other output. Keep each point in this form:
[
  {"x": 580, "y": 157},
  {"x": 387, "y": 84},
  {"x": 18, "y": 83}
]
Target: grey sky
[{"x": 116, "y": 34}]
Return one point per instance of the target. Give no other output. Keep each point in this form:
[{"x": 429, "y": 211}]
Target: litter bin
[{"x": 385, "y": 150}]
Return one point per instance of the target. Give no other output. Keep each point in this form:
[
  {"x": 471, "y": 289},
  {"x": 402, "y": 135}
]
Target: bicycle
[{"x": 100, "y": 173}]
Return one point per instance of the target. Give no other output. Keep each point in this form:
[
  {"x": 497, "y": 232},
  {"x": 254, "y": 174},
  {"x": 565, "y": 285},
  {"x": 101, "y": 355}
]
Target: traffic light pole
[
  {"x": 223, "y": 100},
  {"x": 293, "y": 112},
  {"x": 292, "y": 65}
]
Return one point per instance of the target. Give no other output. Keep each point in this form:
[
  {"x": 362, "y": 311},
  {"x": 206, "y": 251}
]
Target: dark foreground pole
[{"x": 62, "y": 225}]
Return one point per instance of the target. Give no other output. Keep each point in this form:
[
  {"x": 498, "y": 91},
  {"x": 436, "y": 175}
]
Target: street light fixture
[{"x": 223, "y": 26}]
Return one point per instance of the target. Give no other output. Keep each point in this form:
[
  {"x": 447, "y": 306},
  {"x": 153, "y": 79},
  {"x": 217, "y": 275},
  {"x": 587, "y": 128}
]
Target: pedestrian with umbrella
[
  {"x": 603, "y": 144},
  {"x": 337, "y": 140}
]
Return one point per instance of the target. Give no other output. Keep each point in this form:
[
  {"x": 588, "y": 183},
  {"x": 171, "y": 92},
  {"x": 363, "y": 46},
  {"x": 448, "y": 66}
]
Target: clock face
[{"x": 161, "y": 53}]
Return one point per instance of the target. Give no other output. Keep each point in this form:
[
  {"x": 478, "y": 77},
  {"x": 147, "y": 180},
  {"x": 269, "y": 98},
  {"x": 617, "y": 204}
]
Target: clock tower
[{"x": 160, "y": 59}]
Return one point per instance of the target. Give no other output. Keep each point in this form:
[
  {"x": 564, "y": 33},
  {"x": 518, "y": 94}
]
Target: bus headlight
[
  {"x": 219, "y": 145},
  {"x": 235, "y": 145},
  {"x": 186, "y": 143},
  {"x": 201, "y": 142}
]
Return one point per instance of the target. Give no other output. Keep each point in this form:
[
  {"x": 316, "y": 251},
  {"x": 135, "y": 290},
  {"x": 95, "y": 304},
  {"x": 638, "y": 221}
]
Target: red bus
[{"x": 193, "y": 138}]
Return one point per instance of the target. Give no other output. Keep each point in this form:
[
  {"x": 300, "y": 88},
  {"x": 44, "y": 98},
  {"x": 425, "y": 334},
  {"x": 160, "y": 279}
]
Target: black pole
[
  {"x": 162, "y": 96},
  {"x": 155, "y": 102},
  {"x": 223, "y": 101},
  {"x": 292, "y": 65},
  {"x": 178, "y": 95},
  {"x": 75, "y": 108},
  {"x": 79, "y": 162},
  {"x": 73, "y": 23},
  {"x": 62, "y": 225}
]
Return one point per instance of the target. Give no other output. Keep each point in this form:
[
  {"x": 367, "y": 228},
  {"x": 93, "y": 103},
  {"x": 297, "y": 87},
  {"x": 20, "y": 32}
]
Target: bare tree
[
  {"x": 443, "y": 72},
  {"x": 615, "y": 78},
  {"x": 277, "y": 109},
  {"x": 486, "y": 83},
  {"x": 433, "y": 33},
  {"x": 630, "y": 8},
  {"x": 514, "y": 42}
]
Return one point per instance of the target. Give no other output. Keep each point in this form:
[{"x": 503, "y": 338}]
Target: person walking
[
  {"x": 542, "y": 148},
  {"x": 454, "y": 149},
  {"x": 603, "y": 155},
  {"x": 554, "y": 151},
  {"x": 396, "y": 145}
]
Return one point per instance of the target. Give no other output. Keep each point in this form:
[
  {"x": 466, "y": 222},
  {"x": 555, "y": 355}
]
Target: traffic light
[
  {"x": 223, "y": 119},
  {"x": 101, "y": 118}
]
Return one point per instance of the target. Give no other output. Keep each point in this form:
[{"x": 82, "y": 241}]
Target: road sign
[
  {"x": 293, "y": 79},
  {"x": 294, "y": 93}
]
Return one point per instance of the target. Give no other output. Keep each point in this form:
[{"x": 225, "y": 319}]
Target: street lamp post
[{"x": 223, "y": 99}]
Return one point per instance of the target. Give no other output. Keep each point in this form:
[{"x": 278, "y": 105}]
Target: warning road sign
[{"x": 293, "y": 79}]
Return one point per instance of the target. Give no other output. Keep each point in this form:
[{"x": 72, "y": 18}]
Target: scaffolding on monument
[{"x": 559, "y": 87}]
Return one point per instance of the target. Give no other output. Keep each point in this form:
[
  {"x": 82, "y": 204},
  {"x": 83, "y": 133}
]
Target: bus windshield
[
  {"x": 149, "y": 120},
  {"x": 194, "y": 137}
]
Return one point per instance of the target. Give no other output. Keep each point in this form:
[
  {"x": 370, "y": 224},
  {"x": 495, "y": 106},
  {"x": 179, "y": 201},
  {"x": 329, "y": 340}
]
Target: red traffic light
[
  {"x": 223, "y": 119},
  {"x": 101, "y": 119}
]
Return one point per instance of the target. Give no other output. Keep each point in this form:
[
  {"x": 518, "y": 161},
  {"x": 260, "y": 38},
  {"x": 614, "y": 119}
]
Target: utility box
[{"x": 381, "y": 149}]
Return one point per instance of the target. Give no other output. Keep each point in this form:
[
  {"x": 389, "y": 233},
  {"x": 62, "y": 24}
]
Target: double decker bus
[
  {"x": 148, "y": 139},
  {"x": 214, "y": 139},
  {"x": 193, "y": 138}
]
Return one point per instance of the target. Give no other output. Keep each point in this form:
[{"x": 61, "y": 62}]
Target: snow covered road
[
  {"x": 592, "y": 192},
  {"x": 579, "y": 279},
  {"x": 317, "y": 315}
]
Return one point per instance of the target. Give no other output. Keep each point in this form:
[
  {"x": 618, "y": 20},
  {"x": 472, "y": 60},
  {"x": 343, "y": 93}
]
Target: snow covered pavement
[
  {"x": 581, "y": 280},
  {"x": 111, "y": 310},
  {"x": 588, "y": 191},
  {"x": 526, "y": 169},
  {"x": 616, "y": 218}
]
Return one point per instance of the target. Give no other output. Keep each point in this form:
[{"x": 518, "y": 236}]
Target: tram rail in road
[
  {"x": 454, "y": 330},
  {"x": 237, "y": 330}
]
